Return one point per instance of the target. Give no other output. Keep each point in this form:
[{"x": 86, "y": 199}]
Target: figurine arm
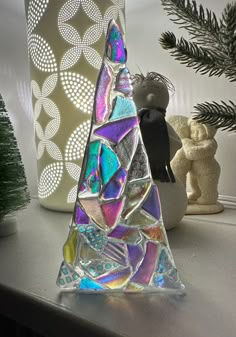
[{"x": 199, "y": 150}]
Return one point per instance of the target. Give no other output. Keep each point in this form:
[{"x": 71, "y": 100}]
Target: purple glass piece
[
  {"x": 152, "y": 204},
  {"x": 102, "y": 99},
  {"x": 146, "y": 269},
  {"x": 121, "y": 232},
  {"x": 135, "y": 255},
  {"x": 123, "y": 82},
  {"x": 115, "y": 51},
  {"x": 81, "y": 218},
  {"x": 115, "y": 186},
  {"x": 116, "y": 131}
]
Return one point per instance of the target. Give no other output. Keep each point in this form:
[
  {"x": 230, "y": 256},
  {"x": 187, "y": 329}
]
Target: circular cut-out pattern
[
  {"x": 50, "y": 179},
  {"x": 41, "y": 54},
  {"x": 84, "y": 44},
  {"x": 36, "y": 10},
  {"x": 76, "y": 144},
  {"x": 79, "y": 90}
]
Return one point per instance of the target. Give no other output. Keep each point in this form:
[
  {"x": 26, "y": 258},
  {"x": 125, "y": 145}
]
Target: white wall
[
  {"x": 14, "y": 82},
  {"x": 145, "y": 22}
]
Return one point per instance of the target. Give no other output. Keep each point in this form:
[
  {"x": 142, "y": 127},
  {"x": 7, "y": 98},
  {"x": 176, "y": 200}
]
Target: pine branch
[
  {"x": 228, "y": 29},
  {"x": 192, "y": 55},
  {"x": 201, "y": 24},
  {"x": 218, "y": 115}
]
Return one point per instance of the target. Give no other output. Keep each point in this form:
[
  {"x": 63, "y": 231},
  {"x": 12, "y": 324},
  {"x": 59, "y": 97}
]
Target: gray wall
[{"x": 145, "y": 22}]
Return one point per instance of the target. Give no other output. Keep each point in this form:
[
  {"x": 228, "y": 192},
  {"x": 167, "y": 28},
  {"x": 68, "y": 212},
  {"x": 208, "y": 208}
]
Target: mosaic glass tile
[
  {"x": 109, "y": 163},
  {"x": 155, "y": 233},
  {"x": 69, "y": 248},
  {"x": 116, "y": 279},
  {"x": 102, "y": 98},
  {"x": 115, "y": 48},
  {"x": 146, "y": 269},
  {"x": 115, "y": 131},
  {"x": 100, "y": 267},
  {"x": 140, "y": 219},
  {"x": 126, "y": 148},
  {"x": 123, "y": 82},
  {"x": 136, "y": 193},
  {"x": 152, "y": 204},
  {"x": 81, "y": 218},
  {"x": 91, "y": 177},
  {"x": 127, "y": 234},
  {"x": 115, "y": 186},
  {"x": 123, "y": 107},
  {"x": 139, "y": 167},
  {"x": 136, "y": 255},
  {"x": 116, "y": 251},
  {"x": 88, "y": 284},
  {"x": 112, "y": 211},
  {"x": 93, "y": 210}
]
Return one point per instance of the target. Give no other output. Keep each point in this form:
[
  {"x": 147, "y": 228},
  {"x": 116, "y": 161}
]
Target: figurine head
[
  {"x": 199, "y": 131},
  {"x": 152, "y": 91}
]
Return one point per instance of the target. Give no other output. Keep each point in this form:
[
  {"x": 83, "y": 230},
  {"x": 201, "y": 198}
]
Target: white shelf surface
[{"x": 204, "y": 252}]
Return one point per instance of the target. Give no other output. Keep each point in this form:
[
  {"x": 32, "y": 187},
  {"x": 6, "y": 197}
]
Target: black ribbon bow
[{"x": 156, "y": 140}]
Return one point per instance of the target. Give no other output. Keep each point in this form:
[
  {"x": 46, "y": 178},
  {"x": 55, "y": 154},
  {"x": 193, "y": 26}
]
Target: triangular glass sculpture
[{"x": 117, "y": 240}]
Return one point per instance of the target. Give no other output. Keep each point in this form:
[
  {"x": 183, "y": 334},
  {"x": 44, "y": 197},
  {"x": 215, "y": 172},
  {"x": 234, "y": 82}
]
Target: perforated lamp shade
[{"x": 66, "y": 43}]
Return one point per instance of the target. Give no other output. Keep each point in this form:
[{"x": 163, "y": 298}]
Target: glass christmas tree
[{"x": 117, "y": 239}]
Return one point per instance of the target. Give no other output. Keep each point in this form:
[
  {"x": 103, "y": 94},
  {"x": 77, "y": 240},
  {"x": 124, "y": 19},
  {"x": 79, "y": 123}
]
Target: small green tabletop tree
[
  {"x": 212, "y": 51},
  {"x": 13, "y": 185}
]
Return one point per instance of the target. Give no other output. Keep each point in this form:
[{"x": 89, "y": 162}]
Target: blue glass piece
[
  {"x": 115, "y": 48},
  {"x": 152, "y": 204},
  {"x": 168, "y": 281},
  {"x": 123, "y": 107},
  {"x": 87, "y": 284},
  {"x": 109, "y": 163},
  {"x": 164, "y": 263},
  {"x": 115, "y": 186}
]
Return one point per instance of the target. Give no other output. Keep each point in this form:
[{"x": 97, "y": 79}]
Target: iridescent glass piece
[
  {"x": 109, "y": 163},
  {"x": 123, "y": 107},
  {"x": 126, "y": 148},
  {"x": 115, "y": 186},
  {"x": 115, "y": 48},
  {"x": 117, "y": 239},
  {"x": 123, "y": 82},
  {"x": 102, "y": 99},
  {"x": 116, "y": 131}
]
